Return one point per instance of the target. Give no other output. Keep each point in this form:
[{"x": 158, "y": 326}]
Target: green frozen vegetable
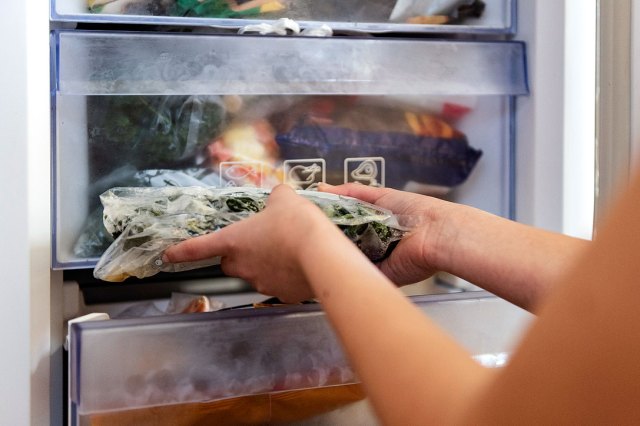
[
  {"x": 150, "y": 132},
  {"x": 145, "y": 221}
]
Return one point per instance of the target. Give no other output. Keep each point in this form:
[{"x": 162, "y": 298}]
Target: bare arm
[
  {"x": 514, "y": 261},
  {"x": 397, "y": 352},
  {"x": 579, "y": 364}
]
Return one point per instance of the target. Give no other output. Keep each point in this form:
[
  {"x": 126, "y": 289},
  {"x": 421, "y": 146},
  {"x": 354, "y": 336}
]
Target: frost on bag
[{"x": 146, "y": 221}]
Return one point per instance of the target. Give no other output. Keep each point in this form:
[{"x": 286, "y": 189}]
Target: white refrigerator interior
[{"x": 32, "y": 313}]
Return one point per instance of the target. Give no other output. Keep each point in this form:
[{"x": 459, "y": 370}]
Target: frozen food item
[
  {"x": 150, "y": 132},
  {"x": 146, "y": 141},
  {"x": 419, "y": 148},
  {"x": 128, "y": 175},
  {"x": 247, "y": 108},
  {"x": 429, "y": 12},
  {"x": 131, "y": 7},
  {"x": 192, "y": 176},
  {"x": 283, "y": 26},
  {"x": 429, "y": 20},
  {"x": 436, "y": 12},
  {"x": 196, "y": 8},
  {"x": 342, "y": 10},
  {"x": 94, "y": 239},
  {"x": 246, "y": 154},
  {"x": 179, "y": 303},
  {"x": 303, "y": 10},
  {"x": 286, "y": 26},
  {"x": 322, "y": 30},
  {"x": 182, "y": 303},
  {"x": 282, "y": 407},
  {"x": 225, "y": 8},
  {"x": 146, "y": 221}
]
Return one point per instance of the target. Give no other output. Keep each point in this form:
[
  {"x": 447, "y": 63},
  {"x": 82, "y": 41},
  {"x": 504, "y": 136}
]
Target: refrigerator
[{"x": 514, "y": 89}]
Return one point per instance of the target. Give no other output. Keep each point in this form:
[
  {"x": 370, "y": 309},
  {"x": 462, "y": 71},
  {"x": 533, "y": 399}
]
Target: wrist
[
  {"x": 311, "y": 230},
  {"x": 441, "y": 234}
]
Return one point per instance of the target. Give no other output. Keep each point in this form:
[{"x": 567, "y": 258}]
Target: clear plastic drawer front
[
  {"x": 102, "y": 63},
  {"x": 232, "y": 363},
  {"x": 375, "y": 16},
  {"x": 433, "y": 117}
]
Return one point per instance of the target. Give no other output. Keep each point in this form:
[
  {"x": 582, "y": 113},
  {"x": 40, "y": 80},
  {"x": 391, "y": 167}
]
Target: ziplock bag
[{"x": 146, "y": 221}]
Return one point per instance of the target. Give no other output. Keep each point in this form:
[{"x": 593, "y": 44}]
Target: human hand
[
  {"x": 264, "y": 249},
  {"x": 416, "y": 255}
]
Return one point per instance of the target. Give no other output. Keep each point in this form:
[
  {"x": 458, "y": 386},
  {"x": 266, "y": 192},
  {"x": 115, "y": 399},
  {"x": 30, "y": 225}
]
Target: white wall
[
  {"x": 539, "y": 131},
  {"x": 555, "y": 124},
  {"x": 24, "y": 215},
  {"x": 14, "y": 258},
  {"x": 579, "y": 117}
]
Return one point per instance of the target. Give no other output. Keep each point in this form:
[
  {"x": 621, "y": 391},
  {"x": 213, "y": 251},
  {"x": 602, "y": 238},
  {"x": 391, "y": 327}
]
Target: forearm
[
  {"x": 388, "y": 340},
  {"x": 512, "y": 260}
]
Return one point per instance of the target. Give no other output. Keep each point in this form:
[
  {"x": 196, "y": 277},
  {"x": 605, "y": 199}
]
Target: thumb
[{"x": 366, "y": 193}]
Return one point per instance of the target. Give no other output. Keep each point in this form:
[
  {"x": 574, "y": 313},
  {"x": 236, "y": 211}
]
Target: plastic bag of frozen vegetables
[
  {"x": 146, "y": 221},
  {"x": 150, "y": 132}
]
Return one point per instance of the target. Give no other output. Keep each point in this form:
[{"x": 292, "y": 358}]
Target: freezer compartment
[
  {"x": 373, "y": 16},
  {"x": 252, "y": 362},
  {"x": 134, "y": 109}
]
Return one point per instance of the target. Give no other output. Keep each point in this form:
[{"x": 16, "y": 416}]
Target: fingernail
[
  {"x": 326, "y": 185},
  {"x": 165, "y": 259}
]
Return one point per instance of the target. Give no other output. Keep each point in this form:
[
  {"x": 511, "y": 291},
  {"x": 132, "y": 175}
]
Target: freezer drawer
[
  {"x": 374, "y": 16},
  {"x": 198, "y": 366},
  {"x": 139, "y": 109}
]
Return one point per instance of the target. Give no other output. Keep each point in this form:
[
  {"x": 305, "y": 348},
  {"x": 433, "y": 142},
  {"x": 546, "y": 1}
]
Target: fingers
[
  {"x": 198, "y": 248},
  {"x": 366, "y": 193},
  {"x": 221, "y": 242},
  {"x": 229, "y": 267},
  {"x": 281, "y": 191}
]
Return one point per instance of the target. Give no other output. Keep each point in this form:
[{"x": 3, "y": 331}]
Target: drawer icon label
[
  {"x": 368, "y": 171},
  {"x": 305, "y": 173},
  {"x": 241, "y": 173}
]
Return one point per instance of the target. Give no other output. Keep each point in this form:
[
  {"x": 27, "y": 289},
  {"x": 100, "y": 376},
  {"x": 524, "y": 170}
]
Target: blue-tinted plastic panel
[
  {"x": 140, "y": 109},
  {"x": 206, "y": 357},
  {"x": 99, "y": 63}
]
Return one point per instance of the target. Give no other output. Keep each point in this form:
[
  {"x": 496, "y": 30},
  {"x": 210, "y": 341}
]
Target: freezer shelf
[
  {"x": 184, "y": 361},
  {"x": 135, "y": 109},
  {"x": 372, "y": 16}
]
